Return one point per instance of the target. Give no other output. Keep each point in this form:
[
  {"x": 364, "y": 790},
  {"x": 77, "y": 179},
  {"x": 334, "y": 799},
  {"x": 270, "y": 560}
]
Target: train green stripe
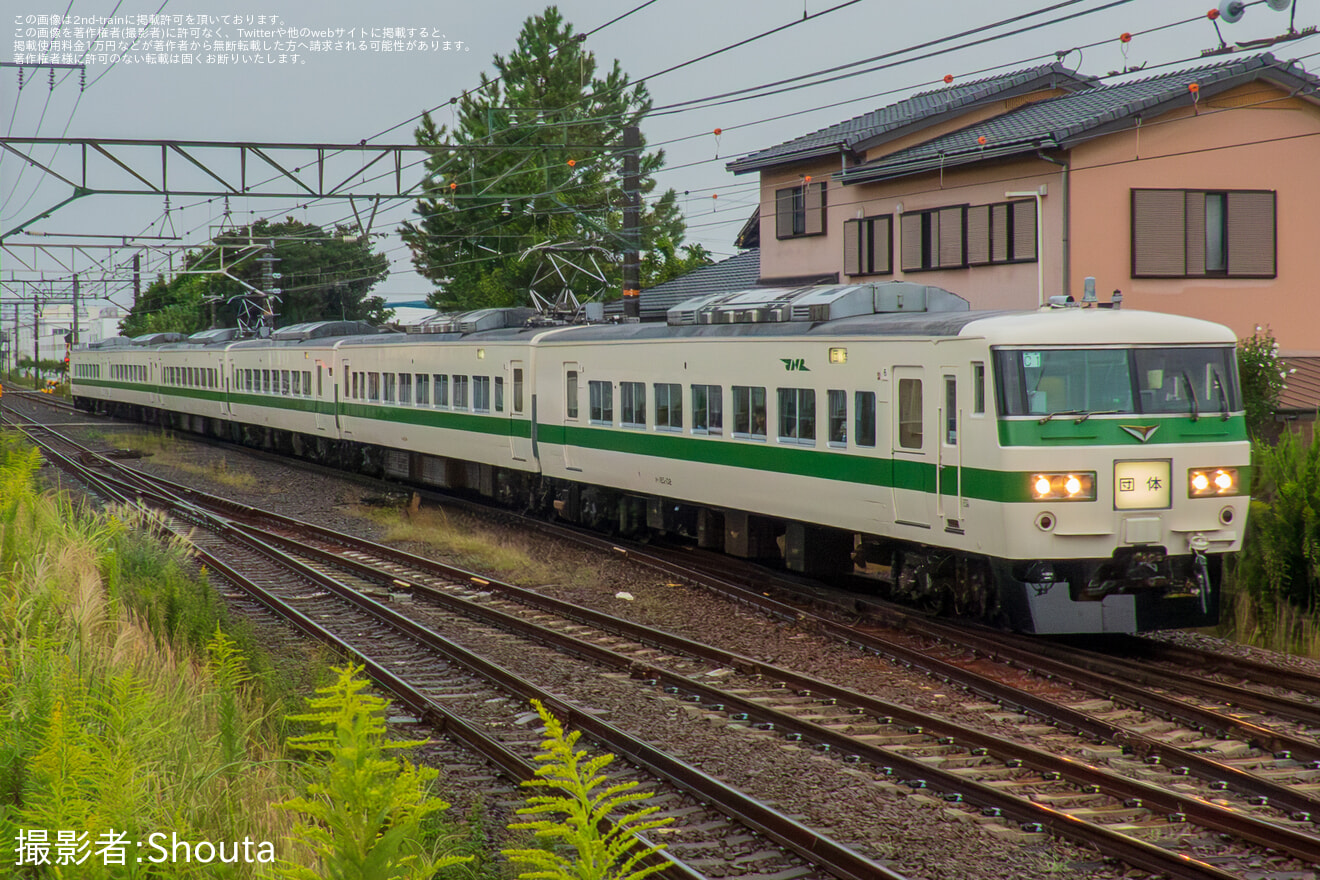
[{"x": 1108, "y": 430}]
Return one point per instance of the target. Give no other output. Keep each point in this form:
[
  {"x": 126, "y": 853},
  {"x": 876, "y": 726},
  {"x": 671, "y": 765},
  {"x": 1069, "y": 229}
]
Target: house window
[
  {"x": 797, "y": 416},
  {"x": 1004, "y": 232},
  {"x": 601, "y": 395},
  {"x": 867, "y": 246},
  {"x": 707, "y": 409},
  {"x": 934, "y": 239},
  {"x": 800, "y": 210},
  {"x": 1203, "y": 233},
  {"x": 668, "y": 406},
  {"x": 749, "y": 412},
  {"x": 632, "y": 404}
]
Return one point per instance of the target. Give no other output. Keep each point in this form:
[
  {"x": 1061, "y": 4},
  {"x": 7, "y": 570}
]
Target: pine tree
[{"x": 544, "y": 168}]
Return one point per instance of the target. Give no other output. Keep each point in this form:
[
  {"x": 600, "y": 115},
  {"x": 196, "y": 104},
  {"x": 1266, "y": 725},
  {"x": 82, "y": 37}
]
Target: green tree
[
  {"x": 325, "y": 275},
  {"x": 1262, "y": 377},
  {"x": 544, "y": 168}
]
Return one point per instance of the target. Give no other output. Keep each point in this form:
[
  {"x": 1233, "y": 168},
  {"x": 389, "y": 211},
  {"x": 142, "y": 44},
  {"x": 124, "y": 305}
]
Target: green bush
[{"x": 1262, "y": 378}]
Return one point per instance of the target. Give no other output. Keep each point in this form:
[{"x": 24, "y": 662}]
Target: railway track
[
  {"x": 715, "y": 825},
  {"x": 1112, "y": 809}
]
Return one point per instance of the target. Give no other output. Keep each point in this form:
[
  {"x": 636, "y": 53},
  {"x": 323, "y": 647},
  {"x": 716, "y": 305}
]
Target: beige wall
[{"x": 1212, "y": 149}]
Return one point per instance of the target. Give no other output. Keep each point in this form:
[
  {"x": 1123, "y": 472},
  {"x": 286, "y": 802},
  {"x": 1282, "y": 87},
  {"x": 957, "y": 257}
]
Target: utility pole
[
  {"x": 75, "y": 308},
  {"x": 632, "y": 221}
]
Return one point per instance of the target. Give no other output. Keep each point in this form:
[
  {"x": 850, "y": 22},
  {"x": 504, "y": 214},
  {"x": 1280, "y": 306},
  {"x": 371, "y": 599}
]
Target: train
[{"x": 1080, "y": 468}]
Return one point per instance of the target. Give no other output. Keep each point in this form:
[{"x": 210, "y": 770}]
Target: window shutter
[
  {"x": 978, "y": 235},
  {"x": 911, "y": 231},
  {"x": 999, "y": 232},
  {"x": 852, "y": 250},
  {"x": 1195, "y": 214},
  {"x": 784, "y": 213},
  {"x": 1251, "y": 234},
  {"x": 814, "y": 199},
  {"x": 952, "y": 251},
  {"x": 1159, "y": 239},
  {"x": 882, "y": 239},
  {"x": 1024, "y": 230}
]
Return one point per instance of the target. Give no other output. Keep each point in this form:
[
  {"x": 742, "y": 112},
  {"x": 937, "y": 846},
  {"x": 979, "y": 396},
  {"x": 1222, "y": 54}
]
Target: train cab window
[
  {"x": 797, "y": 415},
  {"x": 838, "y": 407},
  {"x": 707, "y": 409},
  {"x": 499, "y": 394},
  {"x": 571, "y": 394},
  {"x": 517, "y": 390},
  {"x": 668, "y": 406},
  {"x": 749, "y": 412},
  {"x": 480, "y": 394},
  {"x": 405, "y": 388},
  {"x": 423, "y": 386},
  {"x": 950, "y": 411},
  {"x": 632, "y": 404},
  {"x": 389, "y": 387},
  {"x": 460, "y": 392},
  {"x": 909, "y": 413},
  {"x": 441, "y": 389},
  {"x": 978, "y": 388},
  {"x": 373, "y": 386},
  {"x": 600, "y": 396}
]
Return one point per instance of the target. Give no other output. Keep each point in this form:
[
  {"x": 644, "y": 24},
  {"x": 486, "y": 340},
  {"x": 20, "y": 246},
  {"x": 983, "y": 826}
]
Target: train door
[
  {"x": 948, "y": 500},
  {"x": 914, "y": 447},
  {"x": 325, "y": 409},
  {"x": 346, "y": 370},
  {"x": 572, "y": 370},
  {"x": 520, "y": 434}
]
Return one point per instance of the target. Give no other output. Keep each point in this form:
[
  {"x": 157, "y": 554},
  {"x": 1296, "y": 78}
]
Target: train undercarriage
[{"x": 1138, "y": 589}]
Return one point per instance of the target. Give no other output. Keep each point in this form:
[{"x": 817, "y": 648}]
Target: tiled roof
[
  {"x": 1064, "y": 121},
  {"x": 910, "y": 111},
  {"x": 736, "y": 273},
  {"x": 1301, "y": 392}
]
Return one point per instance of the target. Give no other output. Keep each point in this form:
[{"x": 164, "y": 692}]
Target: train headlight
[
  {"x": 1213, "y": 482},
  {"x": 1076, "y": 486}
]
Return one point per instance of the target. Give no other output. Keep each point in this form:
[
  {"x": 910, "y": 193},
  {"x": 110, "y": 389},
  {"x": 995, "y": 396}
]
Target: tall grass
[{"x": 106, "y": 725}]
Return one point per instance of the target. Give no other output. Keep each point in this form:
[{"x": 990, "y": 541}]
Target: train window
[
  {"x": 499, "y": 394},
  {"x": 405, "y": 388},
  {"x": 632, "y": 404},
  {"x": 354, "y": 394},
  {"x": 838, "y": 406},
  {"x": 571, "y": 394},
  {"x": 441, "y": 389},
  {"x": 286, "y": 385},
  {"x": 978, "y": 388},
  {"x": 797, "y": 415},
  {"x": 950, "y": 411},
  {"x": 749, "y": 412},
  {"x": 265, "y": 381},
  {"x": 307, "y": 383},
  {"x": 373, "y": 386},
  {"x": 297, "y": 383},
  {"x": 247, "y": 380},
  {"x": 707, "y": 409},
  {"x": 480, "y": 393},
  {"x": 668, "y": 406},
  {"x": 423, "y": 385},
  {"x": 460, "y": 392},
  {"x": 600, "y": 396},
  {"x": 909, "y": 413},
  {"x": 389, "y": 387},
  {"x": 517, "y": 390}
]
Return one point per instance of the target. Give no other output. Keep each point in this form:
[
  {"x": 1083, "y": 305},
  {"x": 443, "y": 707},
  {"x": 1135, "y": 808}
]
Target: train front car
[{"x": 1123, "y": 468}]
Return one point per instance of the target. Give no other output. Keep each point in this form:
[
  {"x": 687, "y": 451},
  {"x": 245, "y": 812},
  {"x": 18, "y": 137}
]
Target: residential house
[{"x": 1192, "y": 192}]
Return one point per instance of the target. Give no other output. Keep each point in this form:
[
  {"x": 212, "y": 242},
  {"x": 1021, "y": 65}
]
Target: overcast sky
[{"x": 342, "y": 97}]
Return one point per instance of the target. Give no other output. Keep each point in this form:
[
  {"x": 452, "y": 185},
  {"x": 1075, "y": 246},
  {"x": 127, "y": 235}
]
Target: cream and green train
[{"x": 1059, "y": 471}]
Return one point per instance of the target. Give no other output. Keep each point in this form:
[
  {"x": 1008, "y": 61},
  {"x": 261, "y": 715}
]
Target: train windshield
[{"x": 1080, "y": 381}]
